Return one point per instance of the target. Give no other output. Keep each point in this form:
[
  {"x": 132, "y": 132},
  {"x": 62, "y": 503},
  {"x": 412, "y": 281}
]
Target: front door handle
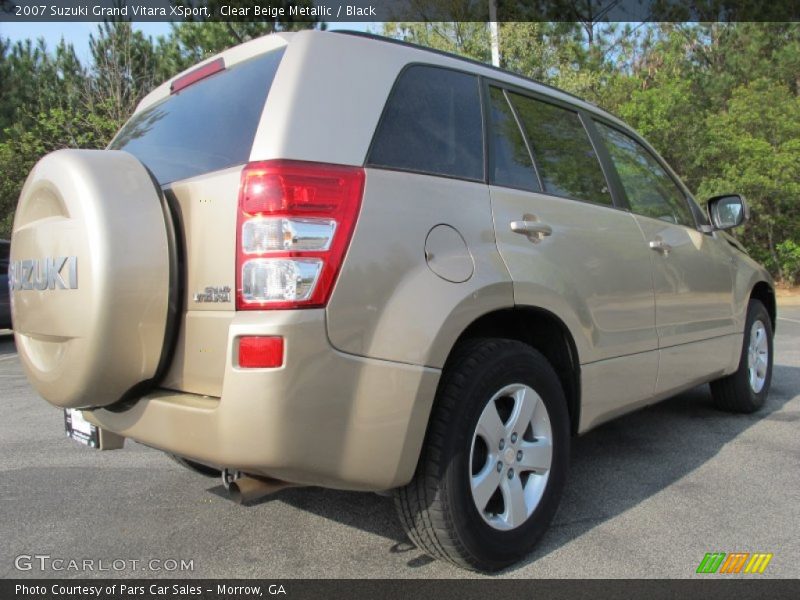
[
  {"x": 534, "y": 230},
  {"x": 660, "y": 245}
]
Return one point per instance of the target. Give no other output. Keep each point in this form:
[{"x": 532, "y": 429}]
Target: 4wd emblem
[
  {"x": 49, "y": 273},
  {"x": 214, "y": 294}
]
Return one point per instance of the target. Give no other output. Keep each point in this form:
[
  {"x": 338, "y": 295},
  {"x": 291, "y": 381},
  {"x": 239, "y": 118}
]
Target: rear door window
[
  {"x": 510, "y": 163},
  {"x": 205, "y": 127},
  {"x": 432, "y": 123},
  {"x": 564, "y": 155}
]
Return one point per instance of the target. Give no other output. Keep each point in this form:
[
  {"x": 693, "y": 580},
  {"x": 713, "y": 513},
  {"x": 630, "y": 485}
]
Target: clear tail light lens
[
  {"x": 279, "y": 279},
  {"x": 295, "y": 224},
  {"x": 261, "y": 235}
]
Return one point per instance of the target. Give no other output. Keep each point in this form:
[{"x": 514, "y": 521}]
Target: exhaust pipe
[{"x": 248, "y": 489}]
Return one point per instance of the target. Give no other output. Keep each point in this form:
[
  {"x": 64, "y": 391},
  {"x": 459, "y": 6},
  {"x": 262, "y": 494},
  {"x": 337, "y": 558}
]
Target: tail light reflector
[
  {"x": 260, "y": 352},
  {"x": 294, "y": 226}
]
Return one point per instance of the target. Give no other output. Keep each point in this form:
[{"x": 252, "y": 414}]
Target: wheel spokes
[
  {"x": 516, "y": 509},
  {"x": 758, "y": 356},
  {"x": 536, "y": 456},
  {"x": 511, "y": 456},
  {"x": 490, "y": 426},
  {"x": 525, "y": 402},
  {"x": 485, "y": 484}
]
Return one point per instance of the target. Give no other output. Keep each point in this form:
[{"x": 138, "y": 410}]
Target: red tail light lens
[
  {"x": 295, "y": 224},
  {"x": 260, "y": 352}
]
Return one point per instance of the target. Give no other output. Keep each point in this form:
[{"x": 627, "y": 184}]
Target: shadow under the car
[
  {"x": 626, "y": 461},
  {"x": 7, "y": 346},
  {"x": 369, "y": 512},
  {"x": 614, "y": 468}
]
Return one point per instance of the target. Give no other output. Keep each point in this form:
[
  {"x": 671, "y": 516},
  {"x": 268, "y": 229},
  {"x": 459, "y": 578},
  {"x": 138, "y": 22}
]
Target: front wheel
[
  {"x": 745, "y": 391},
  {"x": 495, "y": 459}
]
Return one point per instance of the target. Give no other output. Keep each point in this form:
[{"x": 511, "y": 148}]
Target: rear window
[
  {"x": 207, "y": 126},
  {"x": 432, "y": 123}
]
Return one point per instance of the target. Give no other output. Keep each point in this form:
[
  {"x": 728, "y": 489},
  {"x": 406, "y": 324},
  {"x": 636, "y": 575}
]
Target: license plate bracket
[{"x": 80, "y": 430}]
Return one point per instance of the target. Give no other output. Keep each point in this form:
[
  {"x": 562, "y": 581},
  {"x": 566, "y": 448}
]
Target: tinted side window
[
  {"x": 562, "y": 151},
  {"x": 650, "y": 190},
  {"x": 432, "y": 123},
  {"x": 208, "y": 126},
  {"x": 510, "y": 162}
]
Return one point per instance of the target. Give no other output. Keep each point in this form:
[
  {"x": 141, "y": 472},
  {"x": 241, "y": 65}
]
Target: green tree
[
  {"x": 124, "y": 68},
  {"x": 753, "y": 147},
  {"x": 34, "y": 79},
  {"x": 470, "y": 39},
  {"x": 718, "y": 100},
  {"x": 192, "y": 41}
]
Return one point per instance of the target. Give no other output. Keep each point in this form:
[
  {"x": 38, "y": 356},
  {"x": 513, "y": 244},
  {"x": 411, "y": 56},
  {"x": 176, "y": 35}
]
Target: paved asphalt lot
[{"x": 648, "y": 495}]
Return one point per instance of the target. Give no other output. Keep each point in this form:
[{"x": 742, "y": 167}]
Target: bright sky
[{"x": 78, "y": 33}]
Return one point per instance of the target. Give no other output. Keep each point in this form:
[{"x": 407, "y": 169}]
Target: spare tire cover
[{"x": 89, "y": 276}]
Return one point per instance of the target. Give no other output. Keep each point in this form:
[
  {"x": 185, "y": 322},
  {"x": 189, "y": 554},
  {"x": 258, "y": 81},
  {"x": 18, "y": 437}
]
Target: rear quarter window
[
  {"x": 432, "y": 123},
  {"x": 205, "y": 127}
]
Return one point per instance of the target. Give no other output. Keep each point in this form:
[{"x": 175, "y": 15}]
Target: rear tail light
[{"x": 295, "y": 224}]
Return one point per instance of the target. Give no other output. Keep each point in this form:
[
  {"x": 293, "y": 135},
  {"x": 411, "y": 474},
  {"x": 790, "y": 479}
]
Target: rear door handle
[
  {"x": 535, "y": 230},
  {"x": 660, "y": 245}
]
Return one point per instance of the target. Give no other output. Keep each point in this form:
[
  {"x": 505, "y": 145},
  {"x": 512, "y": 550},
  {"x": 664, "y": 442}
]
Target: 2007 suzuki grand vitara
[{"x": 326, "y": 259}]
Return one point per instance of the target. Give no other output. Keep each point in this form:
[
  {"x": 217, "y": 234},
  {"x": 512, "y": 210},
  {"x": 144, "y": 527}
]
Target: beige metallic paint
[
  {"x": 324, "y": 418},
  {"x": 693, "y": 283},
  {"x": 593, "y": 271},
  {"x": 615, "y": 386},
  {"x": 334, "y": 417},
  {"x": 387, "y": 303},
  {"x": 87, "y": 346}
]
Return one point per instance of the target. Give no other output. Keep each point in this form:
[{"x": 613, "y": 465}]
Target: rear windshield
[{"x": 205, "y": 127}]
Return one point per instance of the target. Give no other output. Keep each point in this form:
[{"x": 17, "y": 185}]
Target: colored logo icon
[{"x": 735, "y": 562}]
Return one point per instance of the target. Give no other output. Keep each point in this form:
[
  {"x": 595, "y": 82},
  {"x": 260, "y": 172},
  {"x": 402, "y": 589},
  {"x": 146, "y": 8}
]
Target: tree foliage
[
  {"x": 718, "y": 100},
  {"x": 49, "y": 100}
]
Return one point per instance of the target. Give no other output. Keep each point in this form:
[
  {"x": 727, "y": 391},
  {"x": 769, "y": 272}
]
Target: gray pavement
[{"x": 648, "y": 495}]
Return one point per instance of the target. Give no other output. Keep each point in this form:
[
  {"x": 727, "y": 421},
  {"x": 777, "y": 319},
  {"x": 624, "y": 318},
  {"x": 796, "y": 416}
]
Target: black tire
[
  {"x": 437, "y": 508},
  {"x": 735, "y": 393},
  {"x": 196, "y": 466}
]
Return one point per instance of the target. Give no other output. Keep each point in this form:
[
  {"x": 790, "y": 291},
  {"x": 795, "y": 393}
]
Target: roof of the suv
[
  {"x": 276, "y": 40},
  {"x": 490, "y": 71},
  {"x": 458, "y": 57}
]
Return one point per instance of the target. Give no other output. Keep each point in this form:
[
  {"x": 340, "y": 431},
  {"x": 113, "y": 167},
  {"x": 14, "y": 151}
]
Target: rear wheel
[
  {"x": 495, "y": 459},
  {"x": 745, "y": 391}
]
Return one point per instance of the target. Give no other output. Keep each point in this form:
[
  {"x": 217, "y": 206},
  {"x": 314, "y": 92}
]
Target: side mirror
[{"x": 727, "y": 211}]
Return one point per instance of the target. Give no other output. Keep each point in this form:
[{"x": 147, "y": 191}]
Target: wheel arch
[
  {"x": 542, "y": 330},
  {"x": 764, "y": 292}
]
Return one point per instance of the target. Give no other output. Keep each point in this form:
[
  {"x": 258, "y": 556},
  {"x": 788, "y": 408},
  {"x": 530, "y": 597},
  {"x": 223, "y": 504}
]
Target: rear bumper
[{"x": 324, "y": 418}]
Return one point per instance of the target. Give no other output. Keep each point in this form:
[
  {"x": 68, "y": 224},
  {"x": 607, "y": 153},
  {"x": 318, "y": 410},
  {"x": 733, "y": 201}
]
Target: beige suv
[{"x": 329, "y": 259}]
